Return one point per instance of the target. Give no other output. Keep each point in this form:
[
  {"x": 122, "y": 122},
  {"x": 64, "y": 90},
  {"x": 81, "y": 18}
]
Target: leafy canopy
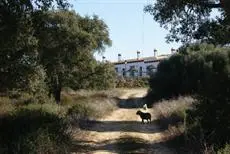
[{"x": 189, "y": 20}]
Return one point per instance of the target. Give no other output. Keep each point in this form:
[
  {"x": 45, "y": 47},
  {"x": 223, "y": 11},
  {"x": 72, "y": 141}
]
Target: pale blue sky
[{"x": 128, "y": 31}]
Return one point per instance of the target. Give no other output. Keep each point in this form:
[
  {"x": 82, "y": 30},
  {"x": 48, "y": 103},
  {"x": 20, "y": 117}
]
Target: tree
[
  {"x": 67, "y": 43},
  {"x": 201, "y": 71},
  {"x": 189, "y": 20},
  {"x": 18, "y": 44},
  {"x": 103, "y": 76}
]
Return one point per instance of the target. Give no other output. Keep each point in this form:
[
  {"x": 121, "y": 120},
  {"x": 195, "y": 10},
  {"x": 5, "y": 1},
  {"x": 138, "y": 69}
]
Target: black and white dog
[{"x": 144, "y": 116}]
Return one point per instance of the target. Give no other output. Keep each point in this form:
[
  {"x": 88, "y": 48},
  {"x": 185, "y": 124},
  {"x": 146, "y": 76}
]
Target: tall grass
[
  {"x": 90, "y": 104},
  {"x": 34, "y": 129},
  {"x": 30, "y": 127},
  {"x": 172, "y": 108},
  {"x": 171, "y": 115}
]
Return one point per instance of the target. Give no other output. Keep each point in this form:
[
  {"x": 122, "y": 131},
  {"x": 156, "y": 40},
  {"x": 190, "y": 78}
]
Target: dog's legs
[{"x": 143, "y": 121}]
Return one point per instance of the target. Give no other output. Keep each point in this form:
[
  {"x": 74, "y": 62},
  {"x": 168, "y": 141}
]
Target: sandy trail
[{"x": 122, "y": 132}]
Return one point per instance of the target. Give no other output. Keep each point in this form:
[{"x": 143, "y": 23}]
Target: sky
[{"x": 130, "y": 28}]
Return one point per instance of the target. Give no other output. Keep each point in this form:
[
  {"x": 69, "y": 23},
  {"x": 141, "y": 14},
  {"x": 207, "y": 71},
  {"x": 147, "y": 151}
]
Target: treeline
[
  {"x": 201, "y": 71},
  {"x": 43, "y": 49}
]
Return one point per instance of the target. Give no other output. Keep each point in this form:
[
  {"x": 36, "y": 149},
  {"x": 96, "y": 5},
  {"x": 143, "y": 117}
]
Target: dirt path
[{"x": 122, "y": 132}]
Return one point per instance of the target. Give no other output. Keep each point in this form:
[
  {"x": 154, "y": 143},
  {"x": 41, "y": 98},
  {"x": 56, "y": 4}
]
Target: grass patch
[
  {"x": 81, "y": 94},
  {"x": 84, "y": 104},
  {"x": 30, "y": 127},
  {"x": 34, "y": 129}
]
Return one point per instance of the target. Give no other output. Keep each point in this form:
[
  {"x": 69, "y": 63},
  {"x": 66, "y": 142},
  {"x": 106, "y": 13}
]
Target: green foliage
[
  {"x": 67, "y": 44},
  {"x": 132, "y": 82},
  {"x": 90, "y": 105},
  {"x": 103, "y": 77},
  {"x": 44, "y": 49},
  {"x": 18, "y": 44},
  {"x": 187, "y": 20},
  {"x": 30, "y": 130},
  {"x": 66, "y": 99},
  {"x": 224, "y": 150},
  {"x": 212, "y": 108},
  {"x": 187, "y": 71},
  {"x": 205, "y": 75},
  {"x": 96, "y": 75},
  {"x": 80, "y": 111}
]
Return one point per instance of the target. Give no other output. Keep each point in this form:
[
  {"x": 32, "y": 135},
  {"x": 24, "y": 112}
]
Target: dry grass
[
  {"x": 6, "y": 105},
  {"x": 170, "y": 115},
  {"x": 168, "y": 108},
  {"x": 113, "y": 93},
  {"x": 99, "y": 102}
]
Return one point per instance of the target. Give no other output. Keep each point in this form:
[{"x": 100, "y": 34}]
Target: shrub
[
  {"x": 91, "y": 108},
  {"x": 80, "y": 112},
  {"x": 187, "y": 71},
  {"x": 132, "y": 82},
  {"x": 204, "y": 73},
  {"x": 29, "y": 130},
  {"x": 66, "y": 99},
  {"x": 210, "y": 118},
  {"x": 225, "y": 150},
  {"x": 6, "y": 106},
  {"x": 209, "y": 121}
]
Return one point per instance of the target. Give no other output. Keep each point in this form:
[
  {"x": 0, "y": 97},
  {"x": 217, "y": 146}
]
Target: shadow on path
[
  {"x": 122, "y": 126},
  {"x": 131, "y": 103},
  {"x": 125, "y": 144}
]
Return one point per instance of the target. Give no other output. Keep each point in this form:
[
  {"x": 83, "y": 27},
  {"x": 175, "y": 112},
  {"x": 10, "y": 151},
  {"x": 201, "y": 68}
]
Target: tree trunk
[
  {"x": 57, "y": 89},
  {"x": 57, "y": 94}
]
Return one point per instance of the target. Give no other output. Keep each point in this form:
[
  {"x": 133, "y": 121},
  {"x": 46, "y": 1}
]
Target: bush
[
  {"x": 66, "y": 99},
  {"x": 225, "y": 150},
  {"x": 80, "y": 112},
  {"x": 210, "y": 118},
  {"x": 187, "y": 71},
  {"x": 29, "y": 130},
  {"x": 205, "y": 75},
  {"x": 132, "y": 82},
  {"x": 6, "y": 106},
  {"x": 91, "y": 108}
]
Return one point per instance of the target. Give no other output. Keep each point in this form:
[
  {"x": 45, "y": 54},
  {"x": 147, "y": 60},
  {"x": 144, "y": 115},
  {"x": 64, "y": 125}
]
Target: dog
[{"x": 144, "y": 116}]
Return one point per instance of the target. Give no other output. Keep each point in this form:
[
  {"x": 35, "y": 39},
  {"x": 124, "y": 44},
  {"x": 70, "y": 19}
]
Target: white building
[{"x": 139, "y": 67}]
